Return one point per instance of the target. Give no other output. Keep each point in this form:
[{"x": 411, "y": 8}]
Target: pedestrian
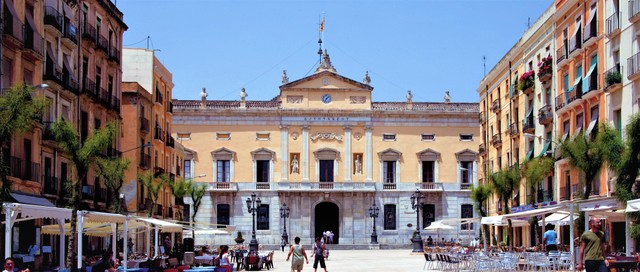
[
  {"x": 550, "y": 237},
  {"x": 298, "y": 253},
  {"x": 130, "y": 246},
  {"x": 224, "y": 260},
  {"x": 330, "y": 237},
  {"x": 282, "y": 243},
  {"x": 9, "y": 266},
  {"x": 592, "y": 248},
  {"x": 319, "y": 251},
  {"x": 429, "y": 241},
  {"x": 167, "y": 245}
]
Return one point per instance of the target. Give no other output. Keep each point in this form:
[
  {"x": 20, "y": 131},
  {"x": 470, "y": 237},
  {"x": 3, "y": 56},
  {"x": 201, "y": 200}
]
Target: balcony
[
  {"x": 69, "y": 83},
  {"x": 104, "y": 97},
  {"x": 144, "y": 125},
  {"x": 102, "y": 44},
  {"x": 634, "y": 10},
  {"x": 325, "y": 186},
  {"x": 170, "y": 141},
  {"x": 633, "y": 66},
  {"x": 528, "y": 126},
  {"x": 495, "y": 106},
  {"x": 592, "y": 84},
  {"x": 114, "y": 103},
  {"x": 613, "y": 78},
  {"x": 545, "y": 115},
  {"x": 159, "y": 98},
  {"x": 170, "y": 107},
  {"x": 612, "y": 25},
  {"x": 590, "y": 32},
  {"x": 157, "y": 171},
  {"x": 24, "y": 170},
  {"x": 545, "y": 69},
  {"x": 221, "y": 186},
  {"x": 89, "y": 87},
  {"x": 114, "y": 54},
  {"x": 158, "y": 134},
  {"x": 514, "y": 129},
  {"x": 53, "y": 73},
  {"x": 526, "y": 83},
  {"x": 560, "y": 101},
  {"x": 263, "y": 186},
  {"x": 47, "y": 133},
  {"x": 481, "y": 149},
  {"x": 576, "y": 42},
  {"x": 69, "y": 34},
  {"x": 465, "y": 186},
  {"x": 89, "y": 32},
  {"x": 50, "y": 186},
  {"x": 496, "y": 140},
  {"x": 33, "y": 44},
  {"x": 430, "y": 186},
  {"x": 544, "y": 196},
  {"x": 12, "y": 30},
  {"x": 52, "y": 19},
  {"x": 576, "y": 93},
  {"x": 562, "y": 53},
  {"x": 389, "y": 186},
  {"x": 145, "y": 161}
]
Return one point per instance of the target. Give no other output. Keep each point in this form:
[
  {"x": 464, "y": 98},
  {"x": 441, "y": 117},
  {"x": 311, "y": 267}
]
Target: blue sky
[{"x": 424, "y": 46}]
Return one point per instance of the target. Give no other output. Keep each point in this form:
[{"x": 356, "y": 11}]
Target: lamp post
[
  {"x": 373, "y": 213},
  {"x": 284, "y": 213},
  {"x": 252, "y": 206},
  {"x": 416, "y": 204}
]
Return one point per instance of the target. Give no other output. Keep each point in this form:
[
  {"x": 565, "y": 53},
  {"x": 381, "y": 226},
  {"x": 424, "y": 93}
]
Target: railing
[
  {"x": 528, "y": 124},
  {"x": 560, "y": 101},
  {"x": 170, "y": 141},
  {"x": 389, "y": 186},
  {"x": 544, "y": 196},
  {"x": 114, "y": 54},
  {"x": 263, "y": 186},
  {"x": 13, "y": 27},
  {"x": 25, "y": 170},
  {"x": 514, "y": 129},
  {"x": 89, "y": 32},
  {"x": 144, "y": 124},
  {"x": 115, "y": 103},
  {"x": 89, "y": 87},
  {"x": 69, "y": 31},
  {"x": 633, "y": 65},
  {"x": 430, "y": 186},
  {"x": 53, "y": 73},
  {"x": 495, "y": 105},
  {"x": 591, "y": 29},
  {"x": 562, "y": 53},
  {"x": 613, "y": 24},
  {"x": 52, "y": 17},
  {"x": 613, "y": 76},
  {"x": 102, "y": 44},
  {"x": 576, "y": 93},
  {"x": 145, "y": 160},
  {"x": 496, "y": 139},
  {"x": 159, "y": 97},
  {"x": 50, "y": 185},
  {"x": 481, "y": 149},
  {"x": 545, "y": 115},
  {"x": 70, "y": 83},
  {"x": 593, "y": 82},
  {"x": 225, "y": 186},
  {"x": 104, "y": 97},
  {"x": 576, "y": 41},
  {"x": 33, "y": 41},
  {"x": 159, "y": 134},
  {"x": 326, "y": 186},
  {"x": 157, "y": 171},
  {"x": 47, "y": 133},
  {"x": 465, "y": 186},
  {"x": 634, "y": 8}
]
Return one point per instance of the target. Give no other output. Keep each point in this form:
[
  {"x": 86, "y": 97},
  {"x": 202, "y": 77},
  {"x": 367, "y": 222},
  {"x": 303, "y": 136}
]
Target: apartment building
[
  {"x": 517, "y": 121},
  {"x": 147, "y": 127},
  {"x": 75, "y": 50},
  {"x": 329, "y": 152}
]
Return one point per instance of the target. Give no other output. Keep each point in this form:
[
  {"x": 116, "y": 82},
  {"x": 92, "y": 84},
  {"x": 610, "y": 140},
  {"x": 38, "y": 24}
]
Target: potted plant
[
  {"x": 239, "y": 238},
  {"x": 613, "y": 78}
]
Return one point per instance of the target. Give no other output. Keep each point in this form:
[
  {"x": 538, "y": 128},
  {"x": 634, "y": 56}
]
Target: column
[
  {"x": 347, "y": 153},
  {"x": 284, "y": 134},
  {"x": 79, "y": 227},
  {"x": 10, "y": 216},
  {"x": 304, "y": 157},
  {"x": 436, "y": 171},
  {"x": 369, "y": 150},
  {"x": 474, "y": 172}
]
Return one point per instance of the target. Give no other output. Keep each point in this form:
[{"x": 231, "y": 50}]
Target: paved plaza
[{"x": 359, "y": 260}]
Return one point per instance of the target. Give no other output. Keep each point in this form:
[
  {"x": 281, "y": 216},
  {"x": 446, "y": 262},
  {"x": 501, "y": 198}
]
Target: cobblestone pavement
[{"x": 358, "y": 260}]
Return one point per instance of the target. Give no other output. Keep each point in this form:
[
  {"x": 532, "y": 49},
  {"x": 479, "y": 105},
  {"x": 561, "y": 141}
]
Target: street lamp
[
  {"x": 373, "y": 213},
  {"x": 284, "y": 213},
  {"x": 148, "y": 144},
  {"x": 252, "y": 206},
  {"x": 416, "y": 204}
]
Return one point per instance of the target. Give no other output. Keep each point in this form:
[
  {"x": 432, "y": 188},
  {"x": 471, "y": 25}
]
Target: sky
[{"x": 428, "y": 46}]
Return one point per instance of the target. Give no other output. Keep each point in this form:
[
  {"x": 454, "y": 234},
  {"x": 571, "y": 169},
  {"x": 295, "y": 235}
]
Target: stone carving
[
  {"x": 243, "y": 94},
  {"x": 285, "y": 78},
  {"x": 447, "y": 97},
  {"x": 409, "y": 96},
  {"x": 357, "y": 136},
  {"x": 295, "y": 168},
  {"x": 358, "y": 164},
  {"x": 366, "y": 79},
  {"x": 357, "y": 99},
  {"x": 297, "y": 99},
  {"x": 325, "y": 136},
  {"x": 294, "y": 135}
]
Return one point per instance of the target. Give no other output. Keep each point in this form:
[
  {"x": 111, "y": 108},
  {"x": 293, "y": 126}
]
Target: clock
[{"x": 326, "y": 99}]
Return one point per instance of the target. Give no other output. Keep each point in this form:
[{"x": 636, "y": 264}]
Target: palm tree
[
  {"x": 626, "y": 186},
  {"x": 480, "y": 195},
  {"x": 153, "y": 186},
  {"x": 505, "y": 183},
  {"x": 112, "y": 172},
  {"x": 534, "y": 172},
  {"x": 82, "y": 155}
]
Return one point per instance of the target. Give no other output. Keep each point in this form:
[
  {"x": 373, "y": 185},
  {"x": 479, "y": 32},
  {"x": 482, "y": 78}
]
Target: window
[
  {"x": 262, "y": 171},
  {"x": 428, "y": 137},
  {"x": 184, "y": 136},
  {"x": 263, "y": 136},
  {"x": 567, "y": 185},
  {"x": 617, "y": 120},
  {"x": 223, "y": 136},
  {"x": 466, "y": 137},
  {"x": 187, "y": 169},
  {"x": 428, "y": 214},
  {"x": 223, "y": 215},
  {"x": 389, "y": 217},
  {"x": 466, "y": 172},
  {"x": 263, "y": 217},
  {"x": 326, "y": 170},
  {"x": 579, "y": 123},
  {"x": 389, "y": 171},
  {"x": 428, "y": 174},
  {"x": 466, "y": 211},
  {"x": 223, "y": 170},
  {"x": 389, "y": 137}
]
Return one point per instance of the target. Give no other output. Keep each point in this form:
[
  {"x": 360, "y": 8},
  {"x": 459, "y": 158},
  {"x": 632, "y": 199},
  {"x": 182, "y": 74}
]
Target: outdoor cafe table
[{"x": 623, "y": 265}]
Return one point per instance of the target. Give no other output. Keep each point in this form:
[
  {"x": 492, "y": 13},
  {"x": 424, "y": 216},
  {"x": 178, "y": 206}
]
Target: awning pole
[
  {"x": 79, "y": 228},
  {"x": 125, "y": 239},
  {"x": 627, "y": 235},
  {"x": 8, "y": 212},
  {"x": 61, "y": 244},
  {"x": 156, "y": 238},
  {"x": 571, "y": 243}
]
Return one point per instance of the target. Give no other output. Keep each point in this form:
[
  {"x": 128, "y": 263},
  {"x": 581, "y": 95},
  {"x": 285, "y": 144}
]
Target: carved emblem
[
  {"x": 325, "y": 136},
  {"x": 294, "y": 135},
  {"x": 294, "y": 99},
  {"x": 357, "y": 136},
  {"x": 357, "y": 99}
]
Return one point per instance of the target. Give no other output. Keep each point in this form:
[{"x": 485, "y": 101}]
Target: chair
[
  {"x": 428, "y": 260},
  {"x": 173, "y": 262},
  {"x": 252, "y": 263},
  {"x": 239, "y": 260},
  {"x": 269, "y": 261}
]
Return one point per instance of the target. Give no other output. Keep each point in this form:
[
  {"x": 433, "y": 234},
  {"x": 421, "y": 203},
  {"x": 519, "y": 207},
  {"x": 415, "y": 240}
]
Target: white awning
[
  {"x": 100, "y": 217},
  {"x": 491, "y": 220},
  {"x": 165, "y": 226},
  {"x": 600, "y": 205},
  {"x": 560, "y": 218},
  {"x": 633, "y": 205},
  {"x": 534, "y": 212},
  {"x": 35, "y": 211},
  {"x": 515, "y": 223}
]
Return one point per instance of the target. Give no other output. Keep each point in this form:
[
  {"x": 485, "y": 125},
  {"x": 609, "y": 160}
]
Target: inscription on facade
[
  {"x": 357, "y": 99},
  {"x": 326, "y": 118},
  {"x": 325, "y": 136}
]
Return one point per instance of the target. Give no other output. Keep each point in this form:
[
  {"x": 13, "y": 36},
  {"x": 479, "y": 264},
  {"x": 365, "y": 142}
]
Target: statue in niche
[
  {"x": 295, "y": 168},
  {"x": 358, "y": 164}
]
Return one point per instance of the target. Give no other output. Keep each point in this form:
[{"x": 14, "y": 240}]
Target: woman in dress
[{"x": 298, "y": 256}]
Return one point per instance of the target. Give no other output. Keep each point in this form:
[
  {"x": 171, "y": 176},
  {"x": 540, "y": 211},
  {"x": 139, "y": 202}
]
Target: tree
[
  {"x": 19, "y": 113},
  {"x": 196, "y": 191},
  {"x": 627, "y": 187},
  {"x": 153, "y": 186},
  {"x": 534, "y": 172},
  {"x": 505, "y": 183},
  {"x": 111, "y": 170},
  {"x": 480, "y": 195},
  {"x": 179, "y": 187},
  {"x": 82, "y": 155}
]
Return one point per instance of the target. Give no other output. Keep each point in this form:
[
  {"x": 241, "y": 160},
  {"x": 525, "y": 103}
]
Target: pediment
[
  {"x": 389, "y": 154},
  {"x": 326, "y": 80},
  {"x": 223, "y": 154},
  {"x": 466, "y": 155},
  {"x": 428, "y": 155}
]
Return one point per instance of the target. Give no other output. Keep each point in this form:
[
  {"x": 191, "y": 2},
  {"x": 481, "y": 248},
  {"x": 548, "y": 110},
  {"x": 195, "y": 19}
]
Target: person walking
[
  {"x": 319, "y": 251},
  {"x": 592, "y": 248},
  {"x": 550, "y": 237},
  {"x": 283, "y": 243},
  {"x": 298, "y": 253},
  {"x": 224, "y": 259},
  {"x": 167, "y": 245}
]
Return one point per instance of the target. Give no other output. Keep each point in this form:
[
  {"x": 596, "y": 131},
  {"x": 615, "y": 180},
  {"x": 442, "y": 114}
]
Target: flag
[{"x": 322, "y": 25}]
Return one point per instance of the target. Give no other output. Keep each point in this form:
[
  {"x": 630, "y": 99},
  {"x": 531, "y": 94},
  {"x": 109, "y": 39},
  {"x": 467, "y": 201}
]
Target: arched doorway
[{"x": 327, "y": 218}]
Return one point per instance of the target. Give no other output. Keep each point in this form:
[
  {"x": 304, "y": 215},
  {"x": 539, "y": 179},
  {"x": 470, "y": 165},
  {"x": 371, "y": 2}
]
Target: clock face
[{"x": 326, "y": 98}]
